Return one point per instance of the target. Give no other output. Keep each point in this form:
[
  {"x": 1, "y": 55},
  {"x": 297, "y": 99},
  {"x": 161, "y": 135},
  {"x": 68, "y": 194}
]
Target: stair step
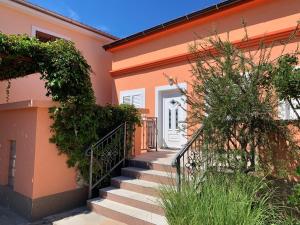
[
  {"x": 134, "y": 199},
  {"x": 124, "y": 213},
  {"x": 152, "y": 166},
  {"x": 149, "y": 175},
  {"x": 140, "y": 186}
]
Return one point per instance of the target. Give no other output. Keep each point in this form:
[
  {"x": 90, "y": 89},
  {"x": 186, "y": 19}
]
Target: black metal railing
[
  {"x": 149, "y": 133},
  {"x": 197, "y": 157},
  {"x": 191, "y": 160},
  {"x": 107, "y": 154}
]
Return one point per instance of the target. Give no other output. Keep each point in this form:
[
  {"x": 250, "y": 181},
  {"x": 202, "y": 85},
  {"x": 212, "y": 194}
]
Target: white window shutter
[
  {"x": 282, "y": 111},
  {"x": 137, "y": 100},
  {"x": 285, "y": 110},
  {"x": 134, "y": 97}
]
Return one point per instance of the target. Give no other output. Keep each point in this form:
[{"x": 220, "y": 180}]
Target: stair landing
[
  {"x": 133, "y": 198},
  {"x": 161, "y": 156}
]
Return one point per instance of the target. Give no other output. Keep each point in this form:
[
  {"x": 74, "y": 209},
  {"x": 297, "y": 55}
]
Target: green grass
[{"x": 221, "y": 200}]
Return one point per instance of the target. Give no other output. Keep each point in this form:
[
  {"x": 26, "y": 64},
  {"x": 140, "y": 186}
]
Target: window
[
  {"x": 286, "y": 112},
  {"x": 12, "y": 163},
  {"x": 44, "y": 37},
  {"x": 133, "y": 97}
]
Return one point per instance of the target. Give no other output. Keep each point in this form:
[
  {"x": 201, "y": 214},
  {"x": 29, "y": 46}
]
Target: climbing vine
[
  {"x": 66, "y": 73},
  {"x": 64, "y": 70}
]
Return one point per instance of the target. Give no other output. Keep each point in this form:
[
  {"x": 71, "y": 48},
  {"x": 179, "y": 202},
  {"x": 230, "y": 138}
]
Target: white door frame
[{"x": 159, "y": 91}]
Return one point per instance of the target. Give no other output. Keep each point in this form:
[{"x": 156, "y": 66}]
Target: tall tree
[{"x": 234, "y": 98}]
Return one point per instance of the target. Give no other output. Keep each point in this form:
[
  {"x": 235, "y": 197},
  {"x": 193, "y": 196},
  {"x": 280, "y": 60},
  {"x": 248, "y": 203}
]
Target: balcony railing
[{"x": 149, "y": 133}]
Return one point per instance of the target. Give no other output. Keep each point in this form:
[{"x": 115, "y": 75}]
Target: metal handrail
[
  {"x": 187, "y": 145},
  {"x": 176, "y": 162},
  {"x": 101, "y": 140},
  {"x": 109, "y": 160}
]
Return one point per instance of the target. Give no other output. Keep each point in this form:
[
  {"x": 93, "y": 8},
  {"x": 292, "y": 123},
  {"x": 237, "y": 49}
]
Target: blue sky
[{"x": 124, "y": 17}]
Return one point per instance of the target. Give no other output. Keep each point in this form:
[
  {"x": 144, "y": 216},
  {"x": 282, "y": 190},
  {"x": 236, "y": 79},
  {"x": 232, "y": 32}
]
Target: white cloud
[
  {"x": 72, "y": 14},
  {"x": 103, "y": 27}
]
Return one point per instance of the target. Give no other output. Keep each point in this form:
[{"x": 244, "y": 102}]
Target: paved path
[
  {"x": 87, "y": 219},
  {"x": 80, "y": 216},
  {"x": 7, "y": 217}
]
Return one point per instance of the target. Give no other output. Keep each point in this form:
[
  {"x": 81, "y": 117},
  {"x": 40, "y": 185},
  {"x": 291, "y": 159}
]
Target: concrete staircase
[{"x": 133, "y": 197}]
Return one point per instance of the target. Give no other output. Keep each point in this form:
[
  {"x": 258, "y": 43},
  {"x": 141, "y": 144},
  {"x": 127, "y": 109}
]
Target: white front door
[{"x": 174, "y": 115}]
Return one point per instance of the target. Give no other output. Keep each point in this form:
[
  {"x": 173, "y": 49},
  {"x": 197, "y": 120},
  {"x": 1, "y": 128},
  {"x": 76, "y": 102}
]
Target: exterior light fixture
[{"x": 170, "y": 79}]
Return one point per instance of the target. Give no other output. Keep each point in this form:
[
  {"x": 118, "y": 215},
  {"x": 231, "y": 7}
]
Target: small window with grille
[{"x": 12, "y": 163}]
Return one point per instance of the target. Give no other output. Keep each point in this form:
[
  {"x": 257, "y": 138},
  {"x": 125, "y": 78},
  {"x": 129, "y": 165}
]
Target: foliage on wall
[
  {"x": 62, "y": 67},
  {"x": 78, "y": 121}
]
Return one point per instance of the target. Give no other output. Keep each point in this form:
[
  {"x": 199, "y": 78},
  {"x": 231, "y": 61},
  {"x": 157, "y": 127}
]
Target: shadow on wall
[{"x": 281, "y": 158}]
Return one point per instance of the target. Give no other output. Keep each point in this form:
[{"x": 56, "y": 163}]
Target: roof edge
[
  {"x": 176, "y": 22},
  {"x": 64, "y": 18}
]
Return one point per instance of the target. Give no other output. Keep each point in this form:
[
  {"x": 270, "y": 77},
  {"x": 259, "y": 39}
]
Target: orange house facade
[
  {"x": 34, "y": 179},
  {"x": 141, "y": 62}
]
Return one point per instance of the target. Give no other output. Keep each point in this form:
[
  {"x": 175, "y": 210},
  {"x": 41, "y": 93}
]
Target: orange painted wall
[
  {"x": 149, "y": 80},
  {"x": 40, "y": 170},
  {"x": 20, "y": 125},
  {"x": 262, "y": 16},
  {"x": 152, "y": 78},
  {"x": 90, "y": 44},
  {"x": 51, "y": 174}
]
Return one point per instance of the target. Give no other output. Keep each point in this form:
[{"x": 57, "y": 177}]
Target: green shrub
[
  {"x": 109, "y": 117},
  {"x": 221, "y": 200},
  {"x": 105, "y": 119},
  {"x": 294, "y": 199}
]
